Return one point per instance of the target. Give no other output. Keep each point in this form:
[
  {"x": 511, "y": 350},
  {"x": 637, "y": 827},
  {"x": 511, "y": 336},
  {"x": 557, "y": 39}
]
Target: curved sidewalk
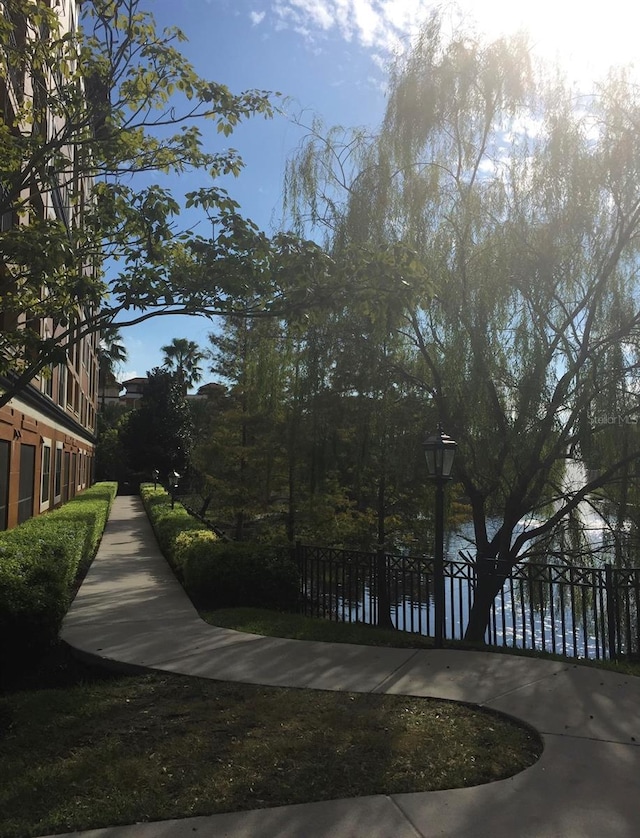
[{"x": 131, "y": 611}]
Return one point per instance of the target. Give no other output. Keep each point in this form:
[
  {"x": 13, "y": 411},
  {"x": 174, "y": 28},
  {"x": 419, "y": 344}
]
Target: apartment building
[{"x": 47, "y": 431}]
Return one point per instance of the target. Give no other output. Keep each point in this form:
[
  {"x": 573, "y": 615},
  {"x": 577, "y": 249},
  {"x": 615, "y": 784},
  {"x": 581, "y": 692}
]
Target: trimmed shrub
[
  {"x": 216, "y": 573},
  {"x": 190, "y": 542},
  {"x": 231, "y": 574},
  {"x": 168, "y": 524},
  {"x": 39, "y": 562}
]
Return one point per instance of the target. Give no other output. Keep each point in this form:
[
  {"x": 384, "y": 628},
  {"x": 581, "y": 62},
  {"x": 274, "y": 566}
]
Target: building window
[
  {"x": 66, "y": 468},
  {"x": 57, "y": 475},
  {"x": 73, "y": 482},
  {"x": 70, "y": 386},
  {"x": 27, "y": 481},
  {"x": 5, "y": 449},
  {"x": 47, "y": 381},
  {"x": 62, "y": 381},
  {"x": 45, "y": 481}
]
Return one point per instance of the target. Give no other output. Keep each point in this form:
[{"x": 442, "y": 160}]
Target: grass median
[{"x": 84, "y": 748}]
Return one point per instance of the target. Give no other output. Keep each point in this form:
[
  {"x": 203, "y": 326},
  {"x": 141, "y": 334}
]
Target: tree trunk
[
  {"x": 382, "y": 584},
  {"x": 239, "y": 527},
  {"x": 489, "y": 581}
]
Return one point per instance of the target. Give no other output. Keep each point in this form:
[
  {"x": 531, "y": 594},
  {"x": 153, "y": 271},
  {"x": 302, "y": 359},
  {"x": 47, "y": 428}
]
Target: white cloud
[
  {"x": 257, "y": 17},
  {"x": 376, "y": 24},
  {"x": 307, "y": 14},
  {"x": 127, "y": 375},
  {"x": 587, "y": 37}
]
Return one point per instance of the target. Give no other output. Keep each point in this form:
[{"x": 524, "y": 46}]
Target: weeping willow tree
[{"x": 521, "y": 199}]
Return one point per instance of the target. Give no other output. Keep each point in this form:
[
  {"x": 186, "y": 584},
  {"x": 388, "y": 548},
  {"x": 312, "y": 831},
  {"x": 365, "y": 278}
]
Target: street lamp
[
  {"x": 439, "y": 451},
  {"x": 156, "y": 476},
  {"x": 174, "y": 479}
]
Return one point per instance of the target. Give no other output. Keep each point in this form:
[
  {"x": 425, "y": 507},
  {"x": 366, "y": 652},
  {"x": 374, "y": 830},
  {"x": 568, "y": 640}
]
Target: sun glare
[{"x": 585, "y": 36}]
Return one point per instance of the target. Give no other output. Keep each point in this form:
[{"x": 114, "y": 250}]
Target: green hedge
[
  {"x": 232, "y": 574},
  {"x": 216, "y": 573},
  {"x": 168, "y": 524},
  {"x": 39, "y": 561}
]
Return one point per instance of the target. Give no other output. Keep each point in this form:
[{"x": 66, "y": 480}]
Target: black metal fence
[{"x": 589, "y": 612}]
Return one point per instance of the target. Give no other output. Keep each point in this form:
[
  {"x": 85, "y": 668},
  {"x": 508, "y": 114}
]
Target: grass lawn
[
  {"x": 300, "y": 627},
  {"x": 84, "y": 748}
]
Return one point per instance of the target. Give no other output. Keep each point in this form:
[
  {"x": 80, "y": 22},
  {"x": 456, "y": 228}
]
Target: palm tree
[
  {"x": 183, "y": 358},
  {"x": 111, "y": 353}
]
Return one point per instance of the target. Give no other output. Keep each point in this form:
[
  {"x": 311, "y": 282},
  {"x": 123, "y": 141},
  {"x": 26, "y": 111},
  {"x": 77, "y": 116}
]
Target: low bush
[
  {"x": 190, "y": 543},
  {"x": 39, "y": 562},
  {"x": 169, "y": 524},
  {"x": 230, "y": 574},
  {"x": 216, "y": 573}
]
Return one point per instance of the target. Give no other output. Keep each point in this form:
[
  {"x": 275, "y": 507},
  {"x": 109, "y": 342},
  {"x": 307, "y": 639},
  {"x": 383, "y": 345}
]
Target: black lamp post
[
  {"x": 156, "y": 476},
  {"x": 439, "y": 451},
  {"x": 174, "y": 479}
]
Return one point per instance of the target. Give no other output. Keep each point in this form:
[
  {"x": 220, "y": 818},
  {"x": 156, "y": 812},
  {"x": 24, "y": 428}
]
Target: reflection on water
[
  {"x": 553, "y": 608},
  {"x": 562, "y": 627},
  {"x": 575, "y": 608}
]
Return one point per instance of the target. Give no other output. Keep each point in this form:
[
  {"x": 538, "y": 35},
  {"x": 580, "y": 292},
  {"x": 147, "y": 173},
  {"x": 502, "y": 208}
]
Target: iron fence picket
[
  {"x": 635, "y": 651},
  {"x": 512, "y": 601},
  {"x": 593, "y": 593},
  {"x": 461, "y": 605},
  {"x": 563, "y": 617},
  {"x": 584, "y": 620},
  {"x": 602, "y": 649},
  {"x": 523, "y": 611},
  {"x": 503, "y": 607},
  {"x": 616, "y": 597},
  {"x": 627, "y": 612},
  {"x": 573, "y": 611},
  {"x": 552, "y": 615},
  {"x": 628, "y": 617}
]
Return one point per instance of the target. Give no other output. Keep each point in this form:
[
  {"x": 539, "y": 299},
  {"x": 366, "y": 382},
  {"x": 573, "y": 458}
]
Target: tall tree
[
  {"x": 94, "y": 107},
  {"x": 243, "y": 453},
  {"x": 112, "y": 350},
  {"x": 183, "y": 357},
  {"x": 521, "y": 199},
  {"x": 158, "y": 434},
  {"x": 111, "y": 353}
]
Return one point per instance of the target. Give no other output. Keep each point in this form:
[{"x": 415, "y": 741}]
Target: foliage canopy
[
  {"x": 89, "y": 109},
  {"x": 520, "y": 198}
]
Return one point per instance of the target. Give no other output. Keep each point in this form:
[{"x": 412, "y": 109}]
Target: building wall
[
  {"x": 42, "y": 463},
  {"x": 47, "y": 433}
]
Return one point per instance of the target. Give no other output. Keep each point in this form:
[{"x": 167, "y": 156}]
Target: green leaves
[
  {"x": 488, "y": 238},
  {"x": 182, "y": 358},
  {"x": 159, "y": 433},
  {"x": 114, "y": 105}
]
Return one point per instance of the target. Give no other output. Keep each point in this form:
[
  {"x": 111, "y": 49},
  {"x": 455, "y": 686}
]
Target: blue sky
[
  {"x": 246, "y": 44},
  {"x": 330, "y": 58}
]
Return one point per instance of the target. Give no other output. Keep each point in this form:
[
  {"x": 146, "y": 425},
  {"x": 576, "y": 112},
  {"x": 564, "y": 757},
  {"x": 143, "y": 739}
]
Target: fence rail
[{"x": 589, "y": 612}]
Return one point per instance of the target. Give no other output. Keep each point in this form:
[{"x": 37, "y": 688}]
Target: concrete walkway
[{"x": 131, "y": 610}]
